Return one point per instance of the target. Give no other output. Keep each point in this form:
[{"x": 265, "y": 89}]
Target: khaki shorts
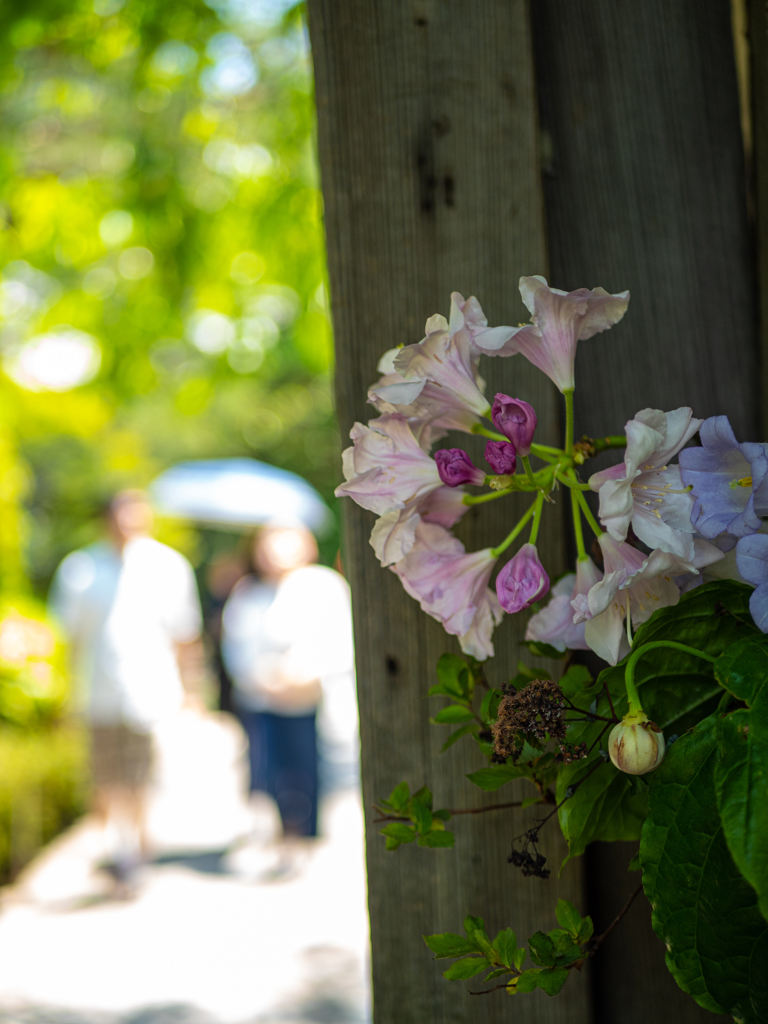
[{"x": 120, "y": 756}]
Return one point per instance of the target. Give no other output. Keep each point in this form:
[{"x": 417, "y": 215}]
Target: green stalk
[
  {"x": 517, "y": 528},
  {"x": 479, "y": 499},
  {"x": 635, "y": 707},
  {"x": 528, "y": 470},
  {"x": 568, "y": 396},
  {"x": 537, "y": 510},
  {"x": 577, "y": 528},
  {"x": 573, "y": 483},
  {"x": 594, "y": 525},
  {"x": 478, "y": 428},
  {"x": 603, "y": 444}
]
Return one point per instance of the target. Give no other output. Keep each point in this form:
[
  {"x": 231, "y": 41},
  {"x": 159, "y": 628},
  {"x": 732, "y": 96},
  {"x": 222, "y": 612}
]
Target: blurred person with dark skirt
[
  {"x": 285, "y": 630},
  {"x": 130, "y": 608}
]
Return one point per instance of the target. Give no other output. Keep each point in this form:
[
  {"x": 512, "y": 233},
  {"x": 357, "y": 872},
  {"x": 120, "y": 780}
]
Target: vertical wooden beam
[
  {"x": 428, "y": 152},
  {"x": 645, "y": 189},
  {"x": 758, "y": 45}
]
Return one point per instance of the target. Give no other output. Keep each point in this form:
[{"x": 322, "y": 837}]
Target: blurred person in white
[
  {"x": 130, "y": 608},
  {"x": 287, "y": 637}
]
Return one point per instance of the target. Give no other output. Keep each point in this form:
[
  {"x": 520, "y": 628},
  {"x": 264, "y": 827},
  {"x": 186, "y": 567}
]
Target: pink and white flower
[
  {"x": 435, "y": 381},
  {"x": 386, "y": 469},
  {"x": 394, "y": 533},
  {"x": 452, "y": 586},
  {"x": 554, "y": 625},
  {"x": 644, "y": 490},
  {"x": 560, "y": 320},
  {"x": 634, "y": 585}
]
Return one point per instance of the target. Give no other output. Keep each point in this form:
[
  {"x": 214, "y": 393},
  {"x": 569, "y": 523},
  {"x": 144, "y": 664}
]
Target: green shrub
[{"x": 43, "y": 788}]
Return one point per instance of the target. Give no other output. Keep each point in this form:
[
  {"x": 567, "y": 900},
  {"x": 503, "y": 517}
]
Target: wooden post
[
  {"x": 645, "y": 189},
  {"x": 429, "y": 161},
  {"x": 758, "y": 46}
]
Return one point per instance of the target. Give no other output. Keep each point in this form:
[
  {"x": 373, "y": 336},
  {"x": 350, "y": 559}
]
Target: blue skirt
[{"x": 283, "y": 759}]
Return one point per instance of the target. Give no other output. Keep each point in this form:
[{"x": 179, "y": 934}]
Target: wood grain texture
[
  {"x": 428, "y": 154},
  {"x": 645, "y": 189},
  {"x": 758, "y": 42}
]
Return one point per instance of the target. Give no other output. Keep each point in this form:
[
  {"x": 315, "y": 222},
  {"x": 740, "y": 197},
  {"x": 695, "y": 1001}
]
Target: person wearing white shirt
[
  {"x": 130, "y": 609},
  {"x": 285, "y": 634}
]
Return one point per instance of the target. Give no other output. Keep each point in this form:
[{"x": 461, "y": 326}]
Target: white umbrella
[{"x": 239, "y": 493}]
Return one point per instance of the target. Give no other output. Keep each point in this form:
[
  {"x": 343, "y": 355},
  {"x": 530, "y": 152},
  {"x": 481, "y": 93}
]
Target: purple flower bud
[
  {"x": 501, "y": 457},
  {"x": 516, "y": 420},
  {"x": 522, "y": 580},
  {"x": 455, "y": 468}
]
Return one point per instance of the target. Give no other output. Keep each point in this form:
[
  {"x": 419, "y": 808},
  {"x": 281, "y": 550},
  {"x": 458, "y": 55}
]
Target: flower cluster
[{"x": 661, "y": 526}]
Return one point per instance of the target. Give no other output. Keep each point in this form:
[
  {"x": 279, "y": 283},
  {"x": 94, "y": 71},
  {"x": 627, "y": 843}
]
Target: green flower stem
[
  {"x": 478, "y": 428},
  {"x": 537, "y": 510},
  {"x": 577, "y": 528},
  {"x": 594, "y": 525},
  {"x": 635, "y": 707},
  {"x": 568, "y": 396},
  {"x": 603, "y": 444},
  {"x": 544, "y": 449},
  {"x": 480, "y": 499},
  {"x": 518, "y": 527},
  {"x": 573, "y": 483},
  {"x": 528, "y": 470}
]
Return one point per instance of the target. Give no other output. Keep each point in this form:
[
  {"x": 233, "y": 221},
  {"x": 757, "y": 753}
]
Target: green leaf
[
  {"x": 399, "y": 831},
  {"x": 541, "y": 650},
  {"x": 496, "y": 775},
  {"x": 400, "y": 796},
  {"x": 741, "y": 781},
  {"x": 704, "y": 911},
  {"x": 490, "y": 706},
  {"x": 470, "y": 727},
  {"x": 498, "y": 973},
  {"x": 568, "y": 918},
  {"x": 742, "y": 668},
  {"x": 443, "y": 814},
  {"x": 505, "y": 945},
  {"x": 449, "y": 944},
  {"x": 473, "y": 924},
  {"x": 542, "y": 949},
  {"x": 421, "y": 815},
  {"x": 676, "y": 690},
  {"x": 484, "y": 945},
  {"x": 552, "y": 981},
  {"x": 468, "y": 968},
  {"x": 634, "y": 864},
  {"x": 392, "y": 844},
  {"x": 520, "y": 956},
  {"x": 453, "y": 676},
  {"x": 424, "y": 796},
  {"x": 577, "y": 679},
  {"x": 452, "y": 714},
  {"x": 529, "y": 753},
  {"x": 436, "y": 840}
]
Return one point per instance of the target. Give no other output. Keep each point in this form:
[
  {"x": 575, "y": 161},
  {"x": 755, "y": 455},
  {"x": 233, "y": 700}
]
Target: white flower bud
[{"x": 636, "y": 746}]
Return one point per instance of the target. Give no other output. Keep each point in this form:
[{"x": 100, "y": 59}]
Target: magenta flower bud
[
  {"x": 455, "y": 468},
  {"x": 522, "y": 580},
  {"x": 501, "y": 457},
  {"x": 516, "y": 420}
]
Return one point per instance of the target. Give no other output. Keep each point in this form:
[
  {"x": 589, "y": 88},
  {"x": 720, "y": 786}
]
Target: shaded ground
[{"x": 212, "y": 936}]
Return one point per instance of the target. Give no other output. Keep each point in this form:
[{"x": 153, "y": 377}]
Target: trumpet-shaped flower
[
  {"x": 522, "y": 581},
  {"x": 554, "y": 624},
  {"x": 452, "y": 586},
  {"x": 515, "y": 419},
  {"x": 646, "y": 492},
  {"x": 501, "y": 457},
  {"x": 633, "y": 585},
  {"x": 752, "y": 563},
  {"x": 729, "y": 481},
  {"x": 435, "y": 380},
  {"x": 466, "y": 314},
  {"x": 560, "y": 321},
  {"x": 394, "y": 534},
  {"x": 455, "y": 468}
]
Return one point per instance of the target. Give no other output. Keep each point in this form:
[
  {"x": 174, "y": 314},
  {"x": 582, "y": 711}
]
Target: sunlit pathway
[{"x": 205, "y": 940}]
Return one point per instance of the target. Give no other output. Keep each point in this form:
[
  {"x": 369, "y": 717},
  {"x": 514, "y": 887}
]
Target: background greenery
[{"x": 159, "y": 195}]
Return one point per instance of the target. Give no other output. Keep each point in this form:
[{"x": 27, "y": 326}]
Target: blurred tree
[{"x": 162, "y": 292}]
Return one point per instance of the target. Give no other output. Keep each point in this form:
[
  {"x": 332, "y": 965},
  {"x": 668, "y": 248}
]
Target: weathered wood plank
[
  {"x": 645, "y": 189},
  {"x": 428, "y": 154}
]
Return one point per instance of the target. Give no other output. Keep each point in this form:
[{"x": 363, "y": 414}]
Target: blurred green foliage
[
  {"x": 43, "y": 789},
  {"x": 160, "y": 233}
]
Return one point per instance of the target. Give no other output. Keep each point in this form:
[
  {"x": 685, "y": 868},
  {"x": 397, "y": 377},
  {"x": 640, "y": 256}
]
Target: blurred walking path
[{"x": 207, "y": 939}]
